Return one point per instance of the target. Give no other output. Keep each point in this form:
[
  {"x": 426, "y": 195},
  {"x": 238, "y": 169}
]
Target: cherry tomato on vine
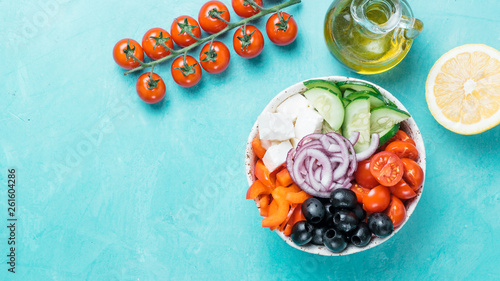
[
  {"x": 154, "y": 42},
  {"x": 403, "y": 149},
  {"x": 281, "y": 29},
  {"x": 387, "y": 168},
  {"x": 363, "y": 175},
  {"x": 209, "y": 16},
  {"x": 124, "y": 52},
  {"x": 360, "y": 191},
  {"x": 243, "y": 9},
  {"x": 248, "y": 41},
  {"x": 377, "y": 199},
  {"x": 150, "y": 90},
  {"x": 402, "y": 190},
  {"x": 183, "y": 31},
  {"x": 413, "y": 173},
  {"x": 401, "y": 136},
  {"x": 214, "y": 58},
  {"x": 396, "y": 211},
  {"x": 186, "y": 71}
]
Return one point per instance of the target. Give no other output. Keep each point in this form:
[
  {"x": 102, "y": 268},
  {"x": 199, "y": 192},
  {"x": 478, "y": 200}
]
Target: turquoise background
[{"x": 110, "y": 188}]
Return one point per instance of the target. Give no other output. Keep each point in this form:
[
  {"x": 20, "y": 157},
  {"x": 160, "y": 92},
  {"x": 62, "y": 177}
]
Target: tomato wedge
[
  {"x": 402, "y": 190},
  {"x": 377, "y": 199},
  {"x": 399, "y": 136},
  {"x": 396, "y": 211},
  {"x": 403, "y": 149},
  {"x": 387, "y": 168},
  {"x": 360, "y": 191},
  {"x": 413, "y": 174}
]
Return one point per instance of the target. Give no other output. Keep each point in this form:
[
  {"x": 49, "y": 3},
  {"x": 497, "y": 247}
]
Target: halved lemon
[{"x": 463, "y": 89}]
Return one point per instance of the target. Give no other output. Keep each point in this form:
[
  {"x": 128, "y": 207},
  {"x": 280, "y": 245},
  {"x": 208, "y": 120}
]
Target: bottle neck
[{"x": 376, "y": 17}]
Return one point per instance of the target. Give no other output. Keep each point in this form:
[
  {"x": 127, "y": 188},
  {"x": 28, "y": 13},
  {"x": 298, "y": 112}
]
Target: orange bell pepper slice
[
  {"x": 296, "y": 217},
  {"x": 297, "y": 197},
  {"x": 262, "y": 173},
  {"x": 290, "y": 213},
  {"x": 276, "y": 217},
  {"x": 283, "y": 178},
  {"x": 294, "y": 188},
  {"x": 288, "y": 230},
  {"x": 257, "y": 189},
  {"x": 257, "y": 148},
  {"x": 264, "y": 202}
]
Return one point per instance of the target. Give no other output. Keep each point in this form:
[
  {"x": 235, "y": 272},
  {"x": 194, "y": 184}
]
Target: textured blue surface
[{"x": 110, "y": 188}]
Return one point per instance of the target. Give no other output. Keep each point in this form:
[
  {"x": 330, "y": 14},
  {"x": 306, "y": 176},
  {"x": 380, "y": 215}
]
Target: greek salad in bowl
[{"x": 335, "y": 165}]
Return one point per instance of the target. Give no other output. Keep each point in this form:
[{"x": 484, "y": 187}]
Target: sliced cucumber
[
  {"x": 390, "y": 103},
  {"x": 325, "y": 84},
  {"x": 385, "y": 136},
  {"x": 375, "y": 100},
  {"x": 327, "y": 129},
  {"x": 357, "y": 86},
  {"x": 328, "y": 105},
  {"x": 345, "y": 101},
  {"x": 348, "y": 92},
  {"x": 385, "y": 117},
  {"x": 357, "y": 118}
]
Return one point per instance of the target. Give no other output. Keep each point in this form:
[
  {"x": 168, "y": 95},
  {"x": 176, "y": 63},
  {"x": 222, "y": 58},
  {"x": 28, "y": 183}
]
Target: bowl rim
[{"x": 409, "y": 126}]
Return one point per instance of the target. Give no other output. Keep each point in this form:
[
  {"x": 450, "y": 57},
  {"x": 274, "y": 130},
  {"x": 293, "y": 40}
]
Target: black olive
[
  {"x": 359, "y": 212},
  {"x": 334, "y": 240},
  {"x": 302, "y": 233},
  {"x": 361, "y": 236},
  {"x": 318, "y": 235},
  {"x": 380, "y": 224},
  {"x": 343, "y": 198},
  {"x": 328, "y": 218},
  {"x": 313, "y": 210},
  {"x": 345, "y": 220}
]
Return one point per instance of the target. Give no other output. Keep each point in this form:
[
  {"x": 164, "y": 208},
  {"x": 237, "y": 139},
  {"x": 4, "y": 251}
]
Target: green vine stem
[{"x": 263, "y": 12}]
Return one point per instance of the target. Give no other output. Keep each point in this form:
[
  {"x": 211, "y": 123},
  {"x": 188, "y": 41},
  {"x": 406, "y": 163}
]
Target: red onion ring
[{"x": 323, "y": 163}]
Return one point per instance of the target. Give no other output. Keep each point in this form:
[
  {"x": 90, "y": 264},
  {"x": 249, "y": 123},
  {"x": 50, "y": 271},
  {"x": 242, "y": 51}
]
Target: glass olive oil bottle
[{"x": 370, "y": 36}]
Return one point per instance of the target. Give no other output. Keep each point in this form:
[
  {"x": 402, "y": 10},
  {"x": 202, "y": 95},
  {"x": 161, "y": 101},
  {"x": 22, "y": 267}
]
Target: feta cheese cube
[
  {"x": 265, "y": 143},
  {"x": 294, "y": 105},
  {"x": 275, "y": 126},
  {"x": 308, "y": 121},
  {"x": 276, "y": 155}
]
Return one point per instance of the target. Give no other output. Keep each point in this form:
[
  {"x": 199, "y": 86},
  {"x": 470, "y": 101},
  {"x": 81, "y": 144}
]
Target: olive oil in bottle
[{"x": 370, "y": 36}]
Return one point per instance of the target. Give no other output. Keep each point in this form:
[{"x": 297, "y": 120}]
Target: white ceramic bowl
[{"x": 409, "y": 126}]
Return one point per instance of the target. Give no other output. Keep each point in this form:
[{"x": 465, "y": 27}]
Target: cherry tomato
[
  {"x": 248, "y": 41},
  {"x": 281, "y": 29},
  {"x": 124, "y": 52},
  {"x": 387, "y": 168},
  {"x": 183, "y": 31},
  {"x": 413, "y": 173},
  {"x": 403, "y": 149},
  {"x": 363, "y": 175},
  {"x": 377, "y": 199},
  {"x": 215, "y": 59},
  {"x": 360, "y": 191},
  {"x": 401, "y": 136},
  {"x": 245, "y": 10},
  {"x": 209, "y": 16},
  {"x": 150, "y": 90},
  {"x": 186, "y": 71},
  {"x": 396, "y": 211},
  {"x": 402, "y": 190},
  {"x": 154, "y": 42}
]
